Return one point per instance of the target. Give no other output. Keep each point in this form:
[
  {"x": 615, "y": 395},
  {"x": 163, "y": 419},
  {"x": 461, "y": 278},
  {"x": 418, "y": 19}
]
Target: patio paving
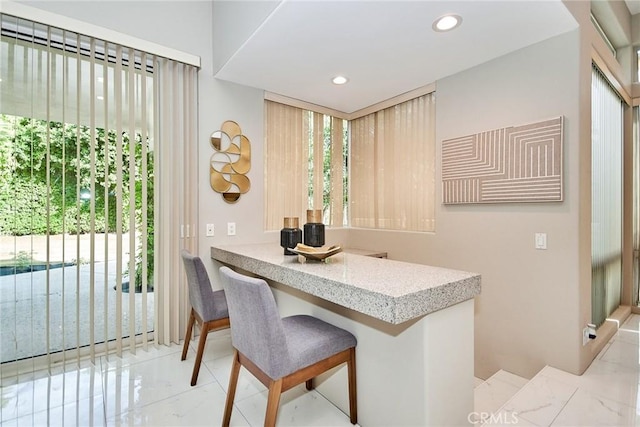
[
  {"x": 62, "y": 247},
  {"x": 23, "y": 305}
]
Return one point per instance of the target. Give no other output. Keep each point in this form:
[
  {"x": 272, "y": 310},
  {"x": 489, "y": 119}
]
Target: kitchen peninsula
[{"x": 413, "y": 322}]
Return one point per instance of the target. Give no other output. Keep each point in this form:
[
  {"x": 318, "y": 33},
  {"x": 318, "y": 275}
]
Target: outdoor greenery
[
  {"x": 326, "y": 167},
  {"x": 48, "y": 186},
  {"x": 150, "y": 228}
]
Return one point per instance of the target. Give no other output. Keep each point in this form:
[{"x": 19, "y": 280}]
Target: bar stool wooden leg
[
  {"x": 187, "y": 337},
  {"x": 204, "y": 331},
  {"x": 353, "y": 395},
  {"x": 273, "y": 401},
  {"x": 231, "y": 392}
]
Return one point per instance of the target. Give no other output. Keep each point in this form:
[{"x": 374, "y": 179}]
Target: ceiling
[
  {"x": 385, "y": 48},
  {"x": 633, "y": 6}
]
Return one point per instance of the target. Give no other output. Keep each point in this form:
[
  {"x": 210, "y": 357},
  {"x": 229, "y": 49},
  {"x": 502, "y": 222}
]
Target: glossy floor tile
[
  {"x": 605, "y": 395},
  {"x": 590, "y": 409},
  {"x": 492, "y": 394},
  {"x": 541, "y": 400},
  {"x": 151, "y": 388}
]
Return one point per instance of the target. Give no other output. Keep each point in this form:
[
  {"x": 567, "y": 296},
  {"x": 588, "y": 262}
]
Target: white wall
[
  {"x": 527, "y": 313},
  {"x": 156, "y": 21}
]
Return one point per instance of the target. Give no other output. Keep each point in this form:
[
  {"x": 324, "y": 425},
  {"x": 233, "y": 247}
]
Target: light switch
[
  {"x": 541, "y": 241},
  {"x": 231, "y": 229},
  {"x": 210, "y": 230}
]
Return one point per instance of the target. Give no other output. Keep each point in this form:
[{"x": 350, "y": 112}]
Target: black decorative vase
[
  {"x": 290, "y": 235},
  {"x": 314, "y": 229}
]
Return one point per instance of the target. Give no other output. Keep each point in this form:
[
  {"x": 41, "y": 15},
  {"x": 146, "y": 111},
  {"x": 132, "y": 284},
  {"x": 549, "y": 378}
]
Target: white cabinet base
[{"x": 419, "y": 373}]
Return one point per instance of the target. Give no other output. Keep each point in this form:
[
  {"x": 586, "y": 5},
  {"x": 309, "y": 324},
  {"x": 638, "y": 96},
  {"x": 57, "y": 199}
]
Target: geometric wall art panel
[
  {"x": 230, "y": 162},
  {"x": 513, "y": 164}
]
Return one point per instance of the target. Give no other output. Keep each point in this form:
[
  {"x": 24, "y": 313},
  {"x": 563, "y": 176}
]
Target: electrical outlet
[
  {"x": 231, "y": 229},
  {"x": 592, "y": 331},
  {"x": 541, "y": 241},
  {"x": 588, "y": 333},
  {"x": 210, "y": 230},
  {"x": 585, "y": 336}
]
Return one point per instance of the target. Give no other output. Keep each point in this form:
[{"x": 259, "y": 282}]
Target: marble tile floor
[
  {"x": 152, "y": 388},
  {"x": 492, "y": 394},
  {"x": 605, "y": 395}
]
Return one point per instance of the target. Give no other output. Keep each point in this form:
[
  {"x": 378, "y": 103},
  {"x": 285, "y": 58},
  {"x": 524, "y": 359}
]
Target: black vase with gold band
[
  {"x": 314, "y": 228},
  {"x": 290, "y": 235}
]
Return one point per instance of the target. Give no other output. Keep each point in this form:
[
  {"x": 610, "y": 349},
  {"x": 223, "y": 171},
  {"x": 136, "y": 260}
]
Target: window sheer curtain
[
  {"x": 606, "y": 197},
  {"x": 636, "y": 204},
  {"x": 176, "y": 193},
  {"x": 107, "y": 136},
  {"x": 304, "y": 165},
  {"x": 392, "y": 173}
]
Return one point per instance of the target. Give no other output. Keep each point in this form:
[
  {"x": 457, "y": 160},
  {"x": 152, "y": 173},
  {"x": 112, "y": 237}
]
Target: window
[
  {"x": 305, "y": 165},
  {"x": 393, "y": 167},
  {"x": 606, "y": 197},
  {"x": 377, "y": 171},
  {"x": 637, "y": 65},
  {"x": 76, "y": 209},
  {"x": 636, "y": 204},
  {"x": 89, "y": 156},
  {"x": 603, "y": 35}
]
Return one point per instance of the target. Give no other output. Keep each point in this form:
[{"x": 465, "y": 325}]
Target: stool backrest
[
  {"x": 200, "y": 291},
  {"x": 256, "y": 326}
]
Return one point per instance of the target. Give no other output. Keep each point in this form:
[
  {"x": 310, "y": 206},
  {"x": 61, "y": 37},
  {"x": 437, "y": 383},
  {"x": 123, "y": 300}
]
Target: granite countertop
[{"x": 389, "y": 290}]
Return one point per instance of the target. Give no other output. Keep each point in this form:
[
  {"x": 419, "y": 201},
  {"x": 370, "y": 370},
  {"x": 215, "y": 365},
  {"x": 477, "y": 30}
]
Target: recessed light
[
  {"x": 100, "y": 97},
  {"x": 447, "y": 23},
  {"x": 339, "y": 80}
]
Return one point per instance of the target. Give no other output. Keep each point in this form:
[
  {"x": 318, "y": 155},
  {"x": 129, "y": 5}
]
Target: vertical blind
[
  {"x": 100, "y": 147},
  {"x": 305, "y": 163},
  {"x": 392, "y": 174},
  {"x": 606, "y": 197},
  {"x": 636, "y": 204},
  {"x": 176, "y": 194}
]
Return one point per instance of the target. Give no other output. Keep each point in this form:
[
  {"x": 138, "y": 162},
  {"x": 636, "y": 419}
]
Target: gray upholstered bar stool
[
  {"x": 280, "y": 352},
  {"x": 208, "y": 308}
]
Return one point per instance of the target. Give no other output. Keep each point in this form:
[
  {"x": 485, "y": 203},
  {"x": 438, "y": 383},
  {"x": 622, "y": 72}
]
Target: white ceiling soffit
[
  {"x": 634, "y": 6},
  {"x": 385, "y": 48}
]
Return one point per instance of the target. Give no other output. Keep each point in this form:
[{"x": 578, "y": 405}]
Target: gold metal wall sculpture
[{"x": 230, "y": 162}]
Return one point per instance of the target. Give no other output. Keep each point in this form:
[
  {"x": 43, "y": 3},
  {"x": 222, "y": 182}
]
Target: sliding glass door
[{"x": 76, "y": 193}]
